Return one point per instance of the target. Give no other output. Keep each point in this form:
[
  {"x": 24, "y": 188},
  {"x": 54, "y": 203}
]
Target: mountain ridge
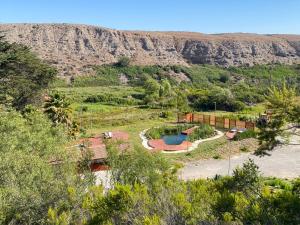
[{"x": 75, "y": 48}]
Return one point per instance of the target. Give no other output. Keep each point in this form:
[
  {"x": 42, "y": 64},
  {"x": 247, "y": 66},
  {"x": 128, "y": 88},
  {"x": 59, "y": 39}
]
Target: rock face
[{"x": 74, "y": 48}]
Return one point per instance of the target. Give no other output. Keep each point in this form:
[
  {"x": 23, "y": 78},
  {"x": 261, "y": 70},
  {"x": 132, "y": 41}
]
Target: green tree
[
  {"x": 35, "y": 168},
  {"x": 152, "y": 89},
  {"x": 283, "y": 121},
  {"x": 136, "y": 166},
  {"x": 167, "y": 88},
  {"x": 57, "y": 107},
  {"x": 22, "y": 75}
]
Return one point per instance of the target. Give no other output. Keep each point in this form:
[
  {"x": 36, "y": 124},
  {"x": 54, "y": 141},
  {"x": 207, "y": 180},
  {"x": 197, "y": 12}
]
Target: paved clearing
[{"x": 284, "y": 162}]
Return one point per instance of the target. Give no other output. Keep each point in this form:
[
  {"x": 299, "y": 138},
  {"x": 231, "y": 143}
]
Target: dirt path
[{"x": 284, "y": 162}]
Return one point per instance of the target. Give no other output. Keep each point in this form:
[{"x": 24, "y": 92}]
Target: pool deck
[{"x": 159, "y": 144}]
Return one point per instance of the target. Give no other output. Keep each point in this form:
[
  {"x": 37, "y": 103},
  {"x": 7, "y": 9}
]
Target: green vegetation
[
  {"x": 39, "y": 176},
  {"x": 148, "y": 192},
  {"x": 36, "y": 170},
  {"x": 123, "y": 61},
  {"x": 209, "y": 88},
  {"x": 158, "y": 132},
  {"x": 22, "y": 75},
  {"x": 206, "y": 150},
  {"x": 202, "y": 131},
  {"x": 246, "y": 134},
  {"x": 285, "y": 118}
]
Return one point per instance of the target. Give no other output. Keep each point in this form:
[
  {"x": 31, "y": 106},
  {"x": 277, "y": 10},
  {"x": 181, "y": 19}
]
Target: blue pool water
[{"x": 174, "y": 139}]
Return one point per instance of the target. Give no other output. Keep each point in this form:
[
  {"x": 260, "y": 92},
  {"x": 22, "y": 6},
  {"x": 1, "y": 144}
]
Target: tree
[
  {"x": 22, "y": 75},
  {"x": 283, "y": 121},
  {"x": 224, "y": 78},
  {"x": 166, "y": 87},
  {"x": 57, "y": 107},
  {"x": 152, "y": 88},
  {"x": 181, "y": 101},
  {"x": 35, "y": 168},
  {"x": 136, "y": 166}
]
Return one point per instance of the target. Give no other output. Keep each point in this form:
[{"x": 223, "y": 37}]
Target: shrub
[
  {"x": 203, "y": 131},
  {"x": 157, "y": 132},
  {"x": 245, "y": 135},
  {"x": 224, "y": 78},
  {"x": 166, "y": 114},
  {"x": 244, "y": 149},
  {"x": 123, "y": 61},
  {"x": 108, "y": 99}
]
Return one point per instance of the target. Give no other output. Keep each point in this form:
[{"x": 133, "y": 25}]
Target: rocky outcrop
[{"x": 74, "y": 48}]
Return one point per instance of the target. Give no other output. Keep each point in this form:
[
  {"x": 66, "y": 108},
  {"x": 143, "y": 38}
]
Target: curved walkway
[{"x": 184, "y": 147}]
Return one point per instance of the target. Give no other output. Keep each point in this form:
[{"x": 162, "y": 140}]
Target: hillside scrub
[
  {"x": 146, "y": 191},
  {"x": 35, "y": 169},
  {"x": 233, "y": 89}
]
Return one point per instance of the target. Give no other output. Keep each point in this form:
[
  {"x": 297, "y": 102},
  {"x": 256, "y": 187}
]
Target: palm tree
[{"x": 58, "y": 109}]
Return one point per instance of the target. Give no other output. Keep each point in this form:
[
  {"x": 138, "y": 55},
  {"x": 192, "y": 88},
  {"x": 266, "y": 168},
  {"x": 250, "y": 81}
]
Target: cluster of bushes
[
  {"x": 245, "y": 135},
  {"x": 146, "y": 191},
  {"x": 158, "y": 132},
  {"x": 215, "y": 98},
  {"x": 203, "y": 131},
  {"x": 143, "y": 187},
  {"x": 211, "y": 87},
  {"x": 103, "y": 78},
  {"x": 112, "y": 100}
]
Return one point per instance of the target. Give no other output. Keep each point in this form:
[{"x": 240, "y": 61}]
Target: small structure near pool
[
  {"x": 97, "y": 147},
  {"x": 233, "y": 132}
]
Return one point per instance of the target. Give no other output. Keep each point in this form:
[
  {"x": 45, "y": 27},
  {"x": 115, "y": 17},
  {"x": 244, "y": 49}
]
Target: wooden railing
[{"x": 216, "y": 121}]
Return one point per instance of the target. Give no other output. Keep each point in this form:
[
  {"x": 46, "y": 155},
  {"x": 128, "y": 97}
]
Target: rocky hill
[{"x": 74, "y": 48}]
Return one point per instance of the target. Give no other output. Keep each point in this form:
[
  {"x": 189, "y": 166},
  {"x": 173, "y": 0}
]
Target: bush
[
  {"x": 224, "y": 78},
  {"x": 245, "y": 135},
  {"x": 158, "y": 132},
  {"x": 203, "y": 131},
  {"x": 166, "y": 114},
  {"x": 108, "y": 99},
  {"x": 123, "y": 61}
]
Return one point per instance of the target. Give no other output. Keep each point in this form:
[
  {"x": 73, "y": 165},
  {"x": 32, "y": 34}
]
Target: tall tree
[
  {"x": 284, "y": 119},
  {"x": 22, "y": 75}
]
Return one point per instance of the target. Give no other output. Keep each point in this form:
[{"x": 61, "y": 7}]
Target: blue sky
[{"x": 207, "y": 16}]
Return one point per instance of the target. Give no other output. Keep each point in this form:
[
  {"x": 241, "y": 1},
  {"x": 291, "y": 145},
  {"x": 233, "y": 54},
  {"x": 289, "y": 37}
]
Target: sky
[{"x": 205, "y": 16}]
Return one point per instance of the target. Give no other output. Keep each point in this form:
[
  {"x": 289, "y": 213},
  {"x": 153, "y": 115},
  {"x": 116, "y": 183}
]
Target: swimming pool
[{"x": 174, "y": 139}]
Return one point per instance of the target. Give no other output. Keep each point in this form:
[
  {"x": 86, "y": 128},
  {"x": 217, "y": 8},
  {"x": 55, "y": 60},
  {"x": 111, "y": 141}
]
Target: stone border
[
  {"x": 145, "y": 140},
  {"x": 191, "y": 148}
]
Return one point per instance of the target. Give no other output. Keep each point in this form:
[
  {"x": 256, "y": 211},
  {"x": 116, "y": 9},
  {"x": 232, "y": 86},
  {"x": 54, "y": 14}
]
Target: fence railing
[{"x": 216, "y": 121}]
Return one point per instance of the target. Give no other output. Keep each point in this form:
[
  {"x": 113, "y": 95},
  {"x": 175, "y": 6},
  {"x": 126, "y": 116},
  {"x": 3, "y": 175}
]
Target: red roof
[{"x": 98, "y": 148}]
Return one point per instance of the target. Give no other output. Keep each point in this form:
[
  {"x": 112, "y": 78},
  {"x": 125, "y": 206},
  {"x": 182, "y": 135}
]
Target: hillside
[{"x": 74, "y": 48}]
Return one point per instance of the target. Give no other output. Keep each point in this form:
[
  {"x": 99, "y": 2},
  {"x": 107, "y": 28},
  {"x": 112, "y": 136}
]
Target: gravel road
[{"x": 284, "y": 162}]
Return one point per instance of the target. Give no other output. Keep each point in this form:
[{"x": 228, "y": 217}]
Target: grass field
[{"x": 97, "y": 118}]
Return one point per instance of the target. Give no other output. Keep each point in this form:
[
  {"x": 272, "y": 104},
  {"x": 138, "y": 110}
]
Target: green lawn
[
  {"x": 97, "y": 118},
  {"x": 204, "y": 150}
]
